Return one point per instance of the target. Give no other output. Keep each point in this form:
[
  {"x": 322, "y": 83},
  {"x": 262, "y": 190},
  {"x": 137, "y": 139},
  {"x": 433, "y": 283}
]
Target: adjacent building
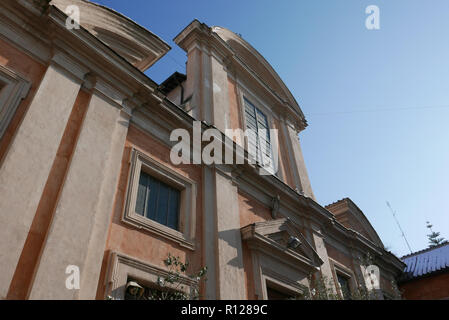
[
  {"x": 87, "y": 182},
  {"x": 426, "y": 276}
]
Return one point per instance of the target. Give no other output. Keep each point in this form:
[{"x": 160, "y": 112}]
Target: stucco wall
[
  {"x": 252, "y": 210},
  {"x": 29, "y": 258},
  {"x": 29, "y": 68}
]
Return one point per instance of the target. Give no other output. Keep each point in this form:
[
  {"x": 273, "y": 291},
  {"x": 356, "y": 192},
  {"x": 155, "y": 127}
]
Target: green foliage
[
  {"x": 172, "y": 286},
  {"x": 434, "y": 237},
  {"x": 320, "y": 289}
]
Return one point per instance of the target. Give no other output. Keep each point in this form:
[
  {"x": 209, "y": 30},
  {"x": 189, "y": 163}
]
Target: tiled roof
[{"x": 426, "y": 262}]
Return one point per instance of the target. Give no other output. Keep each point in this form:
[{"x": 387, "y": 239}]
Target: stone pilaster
[
  {"x": 79, "y": 228},
  {"x": 27, "y": 164},
  {"x": 231, "y": 278},
  {"x": 298, "y": 161},
  {"x": 320, "y": 248}
]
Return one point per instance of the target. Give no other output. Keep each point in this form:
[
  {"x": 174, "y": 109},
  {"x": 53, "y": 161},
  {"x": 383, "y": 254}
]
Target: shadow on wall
[{"x": 232, "y": 237}]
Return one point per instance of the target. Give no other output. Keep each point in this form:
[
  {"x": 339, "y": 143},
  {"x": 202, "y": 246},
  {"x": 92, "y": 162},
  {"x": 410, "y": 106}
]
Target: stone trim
[
  {"x": 337, "y": 267},
  {"x": 13, "y": 89},
  {"x": 266, "y": 268},
  {"x": 282, "y": 282},
  {"x": 275, "y": 262},
  {"x": 122, "y": 266},
  {"x": 186, "y": 234}
]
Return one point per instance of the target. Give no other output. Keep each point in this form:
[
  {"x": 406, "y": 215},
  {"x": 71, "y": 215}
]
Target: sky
[{"x": 377, "y": 101}]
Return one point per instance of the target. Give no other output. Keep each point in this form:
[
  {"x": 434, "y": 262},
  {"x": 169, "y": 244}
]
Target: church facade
[{"x": 88, "y": 182}]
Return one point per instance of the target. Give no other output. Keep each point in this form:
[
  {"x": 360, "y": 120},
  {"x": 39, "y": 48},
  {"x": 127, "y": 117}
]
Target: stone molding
[
  {"x": 186, "y": 235},
  {"x": 13, "y": 89},
  {"x": 121, "y": 266}
]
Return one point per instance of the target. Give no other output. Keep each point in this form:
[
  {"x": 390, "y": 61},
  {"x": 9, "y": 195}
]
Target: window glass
[
  {"x": 279, "y": 293},
  {"x": 344, "y": 286},
  {"x": 158, "y": 201}
]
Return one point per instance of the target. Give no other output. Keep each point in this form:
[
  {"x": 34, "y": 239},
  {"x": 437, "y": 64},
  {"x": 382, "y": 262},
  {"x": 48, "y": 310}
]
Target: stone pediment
[
  {"x": 349, "y": 215},
  {"x": 281, "y": 239},
  {"x": 137, "y": 45}
]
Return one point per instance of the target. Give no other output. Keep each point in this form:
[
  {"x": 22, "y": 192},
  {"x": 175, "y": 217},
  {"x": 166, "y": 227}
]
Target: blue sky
[{"x": 377, "y": 101}]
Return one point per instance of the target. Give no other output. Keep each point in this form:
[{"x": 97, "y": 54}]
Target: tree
[{"x": 434, "y": 237}]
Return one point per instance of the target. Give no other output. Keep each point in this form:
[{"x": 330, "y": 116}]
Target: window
[
  {"x": 276, "y": 293},
  {"x": 13, "y": 88},
  {"x": 158, "y": 201},
  {"x": 138, "y": 290},
  {"x": 259, "y": 143},
  {"x": 130, "y": 278},
  {"x": 344, "y": 279},
  {"x": 344, "y": 286}
]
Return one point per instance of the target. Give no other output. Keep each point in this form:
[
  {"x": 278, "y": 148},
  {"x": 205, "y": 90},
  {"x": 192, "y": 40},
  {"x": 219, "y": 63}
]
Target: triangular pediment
[
  {"x": 282, "y": 237},
  {"x": 349, "y": 215}
]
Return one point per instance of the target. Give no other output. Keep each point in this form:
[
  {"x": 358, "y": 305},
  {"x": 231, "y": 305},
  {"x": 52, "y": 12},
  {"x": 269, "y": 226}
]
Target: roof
[
  {"x": 172, "y": 82},
  {"x": 352, "y": 217},
  {"x": 426, "y": 262}
]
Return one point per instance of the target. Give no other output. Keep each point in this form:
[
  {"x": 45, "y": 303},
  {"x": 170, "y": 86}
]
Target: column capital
[{"x": 70, "y": 66}]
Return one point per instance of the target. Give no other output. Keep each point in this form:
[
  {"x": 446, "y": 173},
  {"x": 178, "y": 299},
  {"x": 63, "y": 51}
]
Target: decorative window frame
[
  {"x": 122, "y": 267},
  {"x": 282, "y": 282},
  {"x": 338, "y": 268},
  {"x": 255, "y": 102},
  {"x": 185, "y": 235},
  {"x": 244, "y": 94},
  {"x": 13, "y": 89}
]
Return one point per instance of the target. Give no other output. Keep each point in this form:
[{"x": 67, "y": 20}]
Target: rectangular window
[
  {"x": 344, "y": 286},
  {"x": 257, "y": 122},
  {"x": 158, "y": 201},
  {"x": 275, "y": 294}
]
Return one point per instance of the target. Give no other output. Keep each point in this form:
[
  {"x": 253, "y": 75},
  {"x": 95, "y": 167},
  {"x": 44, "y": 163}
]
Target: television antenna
[{"x": 397, "y": 222}]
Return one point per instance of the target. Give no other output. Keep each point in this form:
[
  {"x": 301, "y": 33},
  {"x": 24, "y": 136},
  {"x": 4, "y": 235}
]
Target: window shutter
[{"x": 258, "y": 123}]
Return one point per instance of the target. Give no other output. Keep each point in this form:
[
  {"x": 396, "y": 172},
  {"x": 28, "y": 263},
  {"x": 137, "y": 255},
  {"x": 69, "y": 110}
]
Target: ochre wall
[
  {"x": 252, "y": 210},
  {"x": 233, "y": 106},
  {"x": 143, "y": 245},
  {"x": 429, "y": 288},
  {"x": 30, "y": 69}
]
